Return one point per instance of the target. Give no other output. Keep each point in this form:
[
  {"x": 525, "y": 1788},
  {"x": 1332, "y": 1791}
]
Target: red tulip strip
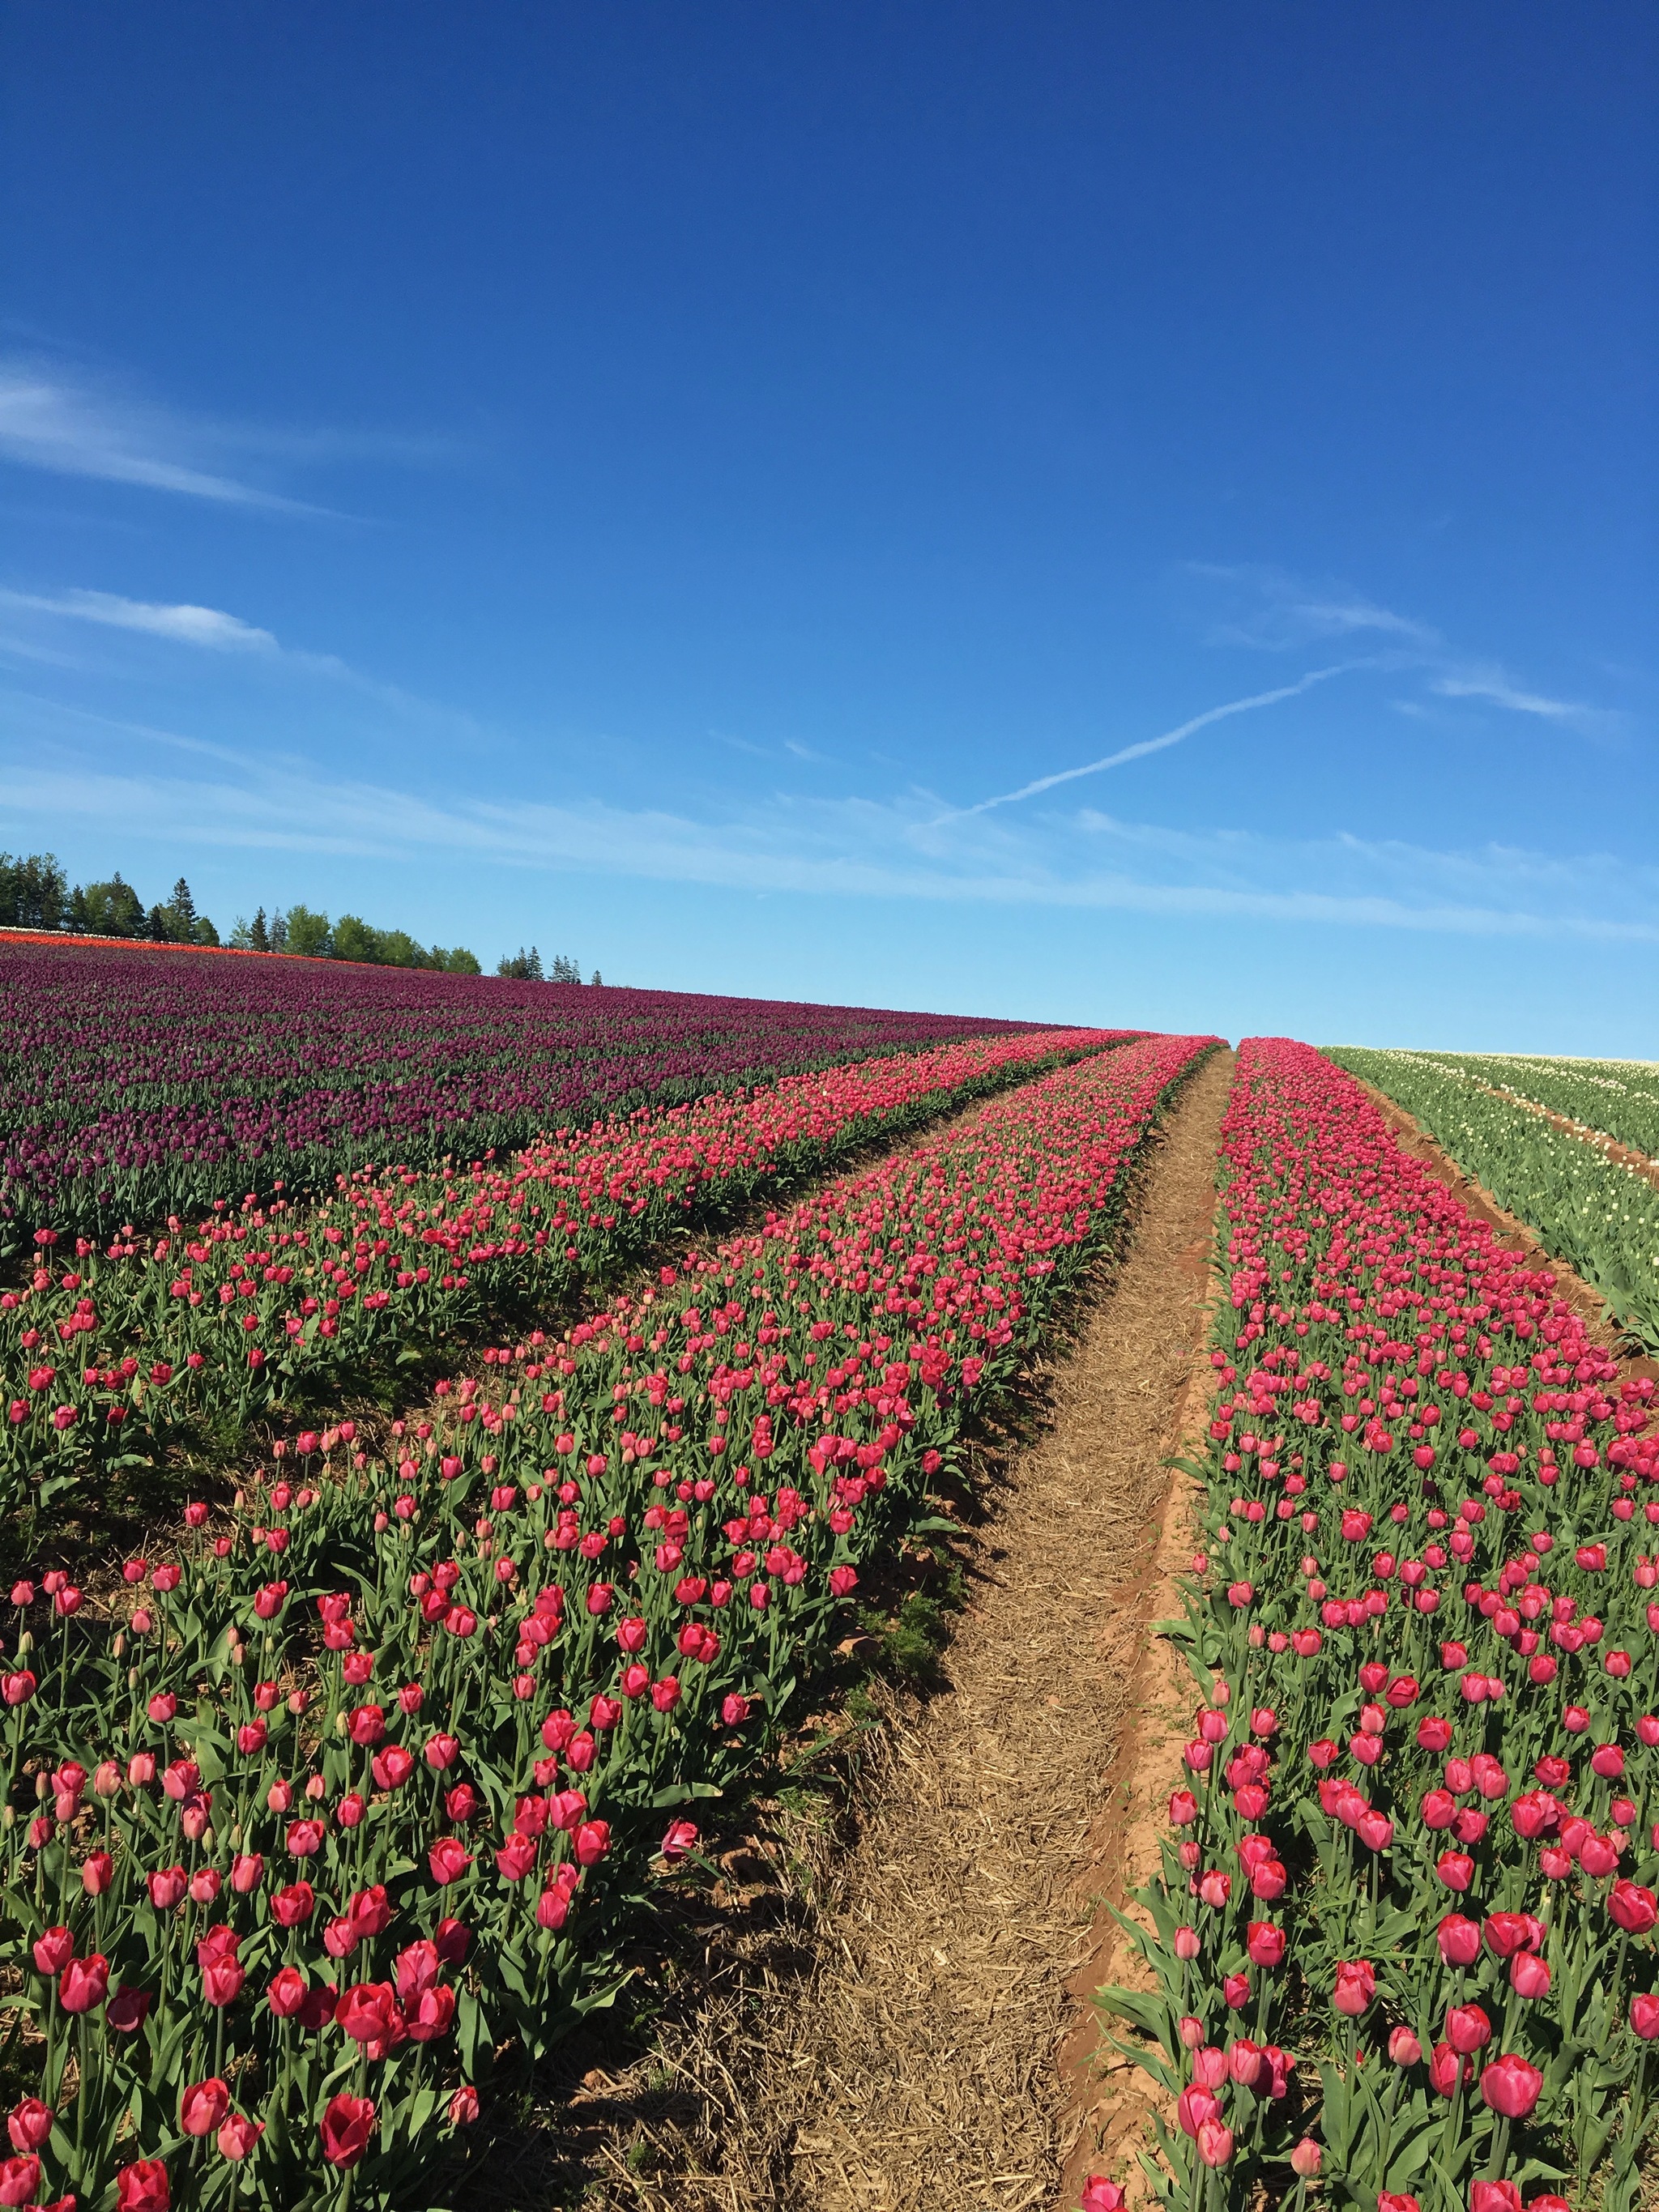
[{"x": 1409, "y": 1896}]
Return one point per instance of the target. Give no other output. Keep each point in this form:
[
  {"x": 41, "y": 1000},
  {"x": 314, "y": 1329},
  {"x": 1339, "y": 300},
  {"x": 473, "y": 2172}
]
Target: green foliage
[
  {"x": 908, "y": 1647},
  {"x": 33, "y": 891},
  {"x": 308, "y": 934},
  {"x": 1618, "y": 1098},
  {"x": 35, "y": 894},
  {"x": 1598, "y": 1215},
  {"x": 111, "y": 910}
]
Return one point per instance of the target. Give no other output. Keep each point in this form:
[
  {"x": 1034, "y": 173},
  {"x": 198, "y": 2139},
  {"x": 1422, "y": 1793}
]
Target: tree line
[
  {"x": 526, "y": 968},
  {"x": 35, "y": 893}
]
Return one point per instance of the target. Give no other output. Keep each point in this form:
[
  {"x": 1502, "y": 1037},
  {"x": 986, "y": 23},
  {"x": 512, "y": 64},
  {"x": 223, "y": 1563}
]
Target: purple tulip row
[{"x": 137, "y": 1082}]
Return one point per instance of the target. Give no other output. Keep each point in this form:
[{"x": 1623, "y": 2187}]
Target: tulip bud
[
  {"x": 1215, "y": 2141},
  {"x": 1528, "y": 1975}
]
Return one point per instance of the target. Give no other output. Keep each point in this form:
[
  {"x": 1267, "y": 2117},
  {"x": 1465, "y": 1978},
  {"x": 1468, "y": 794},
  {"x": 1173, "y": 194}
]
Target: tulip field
[
  {"x": 1616, "y": 1098},
  {"x": 1403, "y": 1944},
  {"x": 321, "y": 1823},
  {"x": 137, "y": 1082},
  {"x": 1598, "y": 1214},
  {"x": 544, "y": 1375},
  {"x": 105, "y": 1355}
]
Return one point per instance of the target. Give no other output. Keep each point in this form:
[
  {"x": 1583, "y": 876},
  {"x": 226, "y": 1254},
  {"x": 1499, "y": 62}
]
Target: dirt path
[
  {"x": 933, "y": 2048},
  {"x": 917, "y": 2065}
]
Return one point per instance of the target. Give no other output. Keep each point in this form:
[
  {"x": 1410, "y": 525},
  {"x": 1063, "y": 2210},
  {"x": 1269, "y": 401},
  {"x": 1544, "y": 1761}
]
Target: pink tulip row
[
  {"x": 312, "y": 1830},
  {"x": 104, "y": 1353},
  {"x": 1404, "y": 1932},
  {"x": 137, "y": 1081}
]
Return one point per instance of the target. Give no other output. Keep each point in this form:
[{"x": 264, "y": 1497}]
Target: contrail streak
[{"x": 1155, "y": 744}]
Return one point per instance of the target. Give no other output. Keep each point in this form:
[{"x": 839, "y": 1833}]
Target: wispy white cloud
[
  {"x": 183, "y": 624},
  {"x": 211, "y": 629},
  {"x": 1491, "y": 683},
  {"x": 48, "y": 421},
  {"x": 1274, "y": 611},
  {"x": 848, "y": 848},
  {"x": 794, "y": 747}
]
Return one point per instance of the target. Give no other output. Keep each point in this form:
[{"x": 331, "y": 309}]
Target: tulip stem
[
  {"x": 54, "y": 2049},
  {"x": 1630, "y": 2144},
  {"x": 1448, "y": 2140},
  {"x": 1500, "y": 2148},
  {"x": 81, "y": 2088},
  {"x": 16, "y": 1749}
]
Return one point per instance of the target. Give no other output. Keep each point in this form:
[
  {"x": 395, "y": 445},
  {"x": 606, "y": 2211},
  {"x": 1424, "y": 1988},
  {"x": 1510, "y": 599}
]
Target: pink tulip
[
  {"x": 1215, "y": 2141},
  {"x": 1510, "y": 2086},
  {"x": 1356, "y": 1986},
  {"x": 1528, "y": 1975}
]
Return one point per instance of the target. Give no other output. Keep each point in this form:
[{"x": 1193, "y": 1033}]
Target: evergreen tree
[
  {"x": 34, "y": 892},
  {"x": 181, "y": 910},
  {"x": 112, "y": 909},
  {"x": 258, "y": 937},
  {"x": 522, "y": 967}
]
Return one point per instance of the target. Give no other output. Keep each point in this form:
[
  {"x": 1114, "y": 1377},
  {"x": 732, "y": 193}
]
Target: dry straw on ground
[{"x": 890, "y": 2040}]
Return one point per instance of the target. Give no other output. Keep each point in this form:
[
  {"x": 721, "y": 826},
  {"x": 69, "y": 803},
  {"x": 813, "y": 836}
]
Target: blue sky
[{"x": 692, "y": 487}]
